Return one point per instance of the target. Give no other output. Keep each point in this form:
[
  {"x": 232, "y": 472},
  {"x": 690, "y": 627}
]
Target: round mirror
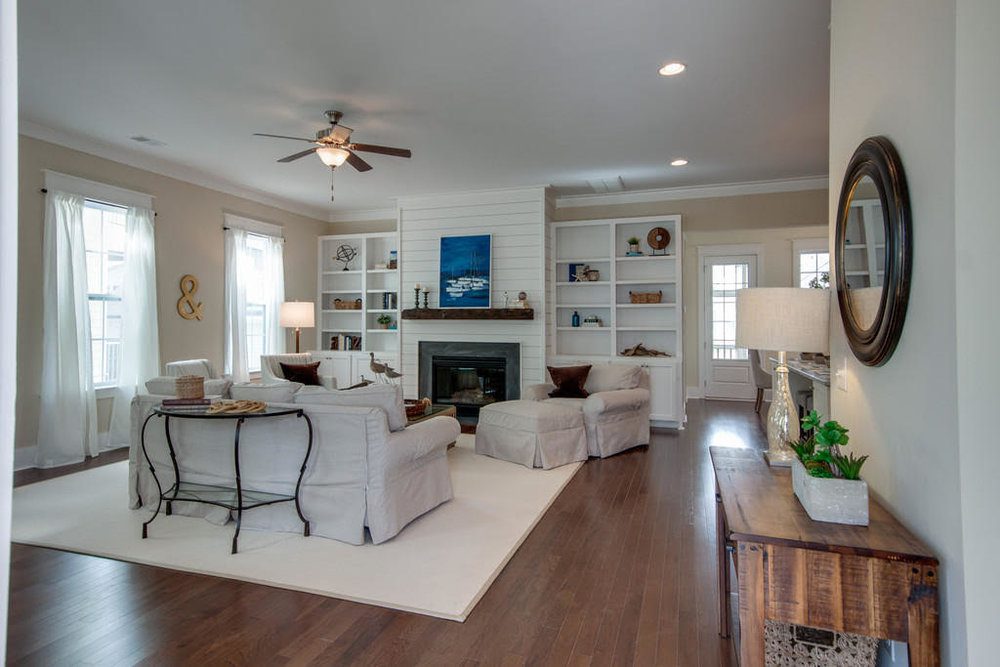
[{"x": 873, "y": 251}]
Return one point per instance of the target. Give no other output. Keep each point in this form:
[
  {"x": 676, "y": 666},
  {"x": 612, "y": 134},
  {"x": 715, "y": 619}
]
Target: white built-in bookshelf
[
  {"x": 602, "y": 245},
  {"x": 367, "y": 278}
]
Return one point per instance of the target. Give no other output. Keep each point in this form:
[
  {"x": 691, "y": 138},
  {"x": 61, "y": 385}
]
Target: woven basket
[
  {"x": 190, "y": 386},
  {"x": 340, "y": 304},
  {"x": 645, "y": 297}
]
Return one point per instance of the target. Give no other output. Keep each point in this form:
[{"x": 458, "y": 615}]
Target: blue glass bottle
[{"x": 576, "y": 319}]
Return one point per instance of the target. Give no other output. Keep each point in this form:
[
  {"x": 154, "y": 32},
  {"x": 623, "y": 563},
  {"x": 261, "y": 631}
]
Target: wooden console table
[{"x": 877, "y": 580}]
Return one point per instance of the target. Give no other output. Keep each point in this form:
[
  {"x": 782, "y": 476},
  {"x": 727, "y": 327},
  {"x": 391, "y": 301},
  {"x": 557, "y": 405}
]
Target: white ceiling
[{"x": 486, "y": 94}]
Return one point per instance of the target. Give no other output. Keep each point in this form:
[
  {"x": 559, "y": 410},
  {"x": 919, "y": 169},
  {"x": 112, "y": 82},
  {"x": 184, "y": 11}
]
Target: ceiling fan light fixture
[
  {"x": 678, "y": 162},
  {"x": 332, "y": 156}
]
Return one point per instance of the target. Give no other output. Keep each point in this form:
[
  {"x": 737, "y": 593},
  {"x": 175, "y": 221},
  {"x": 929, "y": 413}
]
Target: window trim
[
  {"x": 99, "y": 192},
  {"x": 253, "y": 226}
]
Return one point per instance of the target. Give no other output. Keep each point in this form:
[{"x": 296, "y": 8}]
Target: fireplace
[{"x": 469, "y": 375}]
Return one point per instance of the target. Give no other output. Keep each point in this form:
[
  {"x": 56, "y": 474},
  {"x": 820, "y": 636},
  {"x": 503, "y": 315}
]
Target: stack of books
[
  {"x": 388, "y": 300},
  {"x": 345, "y": 342},
  {"x": 187, "y": 404}
]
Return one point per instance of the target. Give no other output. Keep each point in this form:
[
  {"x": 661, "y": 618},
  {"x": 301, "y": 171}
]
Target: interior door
[{"x": 726, "y": 368}]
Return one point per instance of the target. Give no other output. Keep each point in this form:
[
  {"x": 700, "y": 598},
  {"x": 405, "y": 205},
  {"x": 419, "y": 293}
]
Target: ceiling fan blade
[
  {"x": 384, "y": 150},
  {"x": 296, "y": 156},
  {"x": 281, "y": 136},
  {"x": 355, "y": 161}
]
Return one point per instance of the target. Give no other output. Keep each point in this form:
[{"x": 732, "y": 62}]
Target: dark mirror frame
[{"x": 877, "y": 158}]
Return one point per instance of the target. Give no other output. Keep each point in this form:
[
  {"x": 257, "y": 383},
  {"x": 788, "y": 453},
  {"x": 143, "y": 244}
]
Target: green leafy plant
[
  {"x": 384, "y": 319},
  {"x": 822, "y": 281},
  {"x": 632, "y": 240},
  {"x": 819, "y": 449}
]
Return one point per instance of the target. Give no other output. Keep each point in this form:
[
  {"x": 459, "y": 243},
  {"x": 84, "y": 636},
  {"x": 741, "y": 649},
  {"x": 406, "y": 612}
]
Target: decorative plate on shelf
[{"x": 658, "y": 238}]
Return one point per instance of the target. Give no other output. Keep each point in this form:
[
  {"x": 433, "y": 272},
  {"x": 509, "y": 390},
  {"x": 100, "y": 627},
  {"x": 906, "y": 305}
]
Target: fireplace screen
[{"x": 468, "y": 382}]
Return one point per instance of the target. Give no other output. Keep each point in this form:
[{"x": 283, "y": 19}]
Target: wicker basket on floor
[{"x": 190, "y": 386}]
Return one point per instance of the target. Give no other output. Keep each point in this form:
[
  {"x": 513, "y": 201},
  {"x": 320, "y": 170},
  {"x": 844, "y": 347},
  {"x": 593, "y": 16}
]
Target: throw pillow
[
  {"x": 611, "y": 377},
  {"x": 304, "y": 373},
  {"x": 388, "y": 397},
  {"x": 279, "y": 392},
  {"x": 569, "y": 381}
]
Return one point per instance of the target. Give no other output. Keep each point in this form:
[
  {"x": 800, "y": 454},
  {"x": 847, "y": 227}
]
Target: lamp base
[{"x": 782, "y": 418}]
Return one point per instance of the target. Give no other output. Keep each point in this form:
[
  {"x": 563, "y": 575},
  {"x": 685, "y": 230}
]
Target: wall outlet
[{"x": 840, "y": 374}]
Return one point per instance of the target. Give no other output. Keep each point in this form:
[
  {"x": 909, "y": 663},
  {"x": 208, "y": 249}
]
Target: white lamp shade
[
  {"x": 297, "y": 314},
  {"x": 332, "y": 157},
  {"x": 788, "y": 319}
]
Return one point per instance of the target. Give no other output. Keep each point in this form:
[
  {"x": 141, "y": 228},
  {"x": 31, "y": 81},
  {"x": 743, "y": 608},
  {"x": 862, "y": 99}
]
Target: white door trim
[{"x": 704, "y": 252}]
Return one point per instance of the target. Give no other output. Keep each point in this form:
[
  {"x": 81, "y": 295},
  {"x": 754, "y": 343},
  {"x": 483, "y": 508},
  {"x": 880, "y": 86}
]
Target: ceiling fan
[{"x": 334, "y": 146}]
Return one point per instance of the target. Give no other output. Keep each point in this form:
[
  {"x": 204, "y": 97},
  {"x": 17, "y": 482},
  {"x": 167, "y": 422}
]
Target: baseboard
[
  {"x": 694, "y": 392},
  {"x": 24, "y": 457}
]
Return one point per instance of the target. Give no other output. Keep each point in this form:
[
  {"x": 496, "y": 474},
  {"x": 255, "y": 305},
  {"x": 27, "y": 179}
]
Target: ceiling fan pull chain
[{"x": 332, "y": 170}]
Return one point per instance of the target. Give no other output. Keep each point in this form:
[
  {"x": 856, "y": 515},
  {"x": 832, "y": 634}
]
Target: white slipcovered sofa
[
  {"x": 615, "y": 414},
  {"x": 366, "y": 469}
]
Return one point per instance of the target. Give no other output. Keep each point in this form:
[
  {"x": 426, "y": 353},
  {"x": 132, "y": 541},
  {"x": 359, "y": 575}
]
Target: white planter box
[{"x": 832, "y": 500}]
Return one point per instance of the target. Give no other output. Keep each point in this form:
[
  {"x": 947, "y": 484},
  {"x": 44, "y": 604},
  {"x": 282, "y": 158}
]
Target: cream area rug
[{"x": 439, "y": 565}]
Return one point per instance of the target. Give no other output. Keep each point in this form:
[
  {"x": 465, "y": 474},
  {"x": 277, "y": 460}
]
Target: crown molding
[
  {"x": 363, "y": 215},
  {"x": 163, "y": 167},
  {"x": 695, "y": 192}
]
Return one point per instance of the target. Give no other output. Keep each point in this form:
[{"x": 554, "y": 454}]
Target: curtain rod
[{"x": 45, "y": 191}]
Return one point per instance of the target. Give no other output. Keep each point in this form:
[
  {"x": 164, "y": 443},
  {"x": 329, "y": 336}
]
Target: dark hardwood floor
[{"x": 620, "y": 570}]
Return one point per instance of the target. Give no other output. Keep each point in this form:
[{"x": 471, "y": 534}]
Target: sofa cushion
[
  {"x": 569, "y": 381},
  {"x": 612, "y": 377},
  {"x": 279, "y": 392},
  {"x": 531, "y": 416},
  {"x": 304, "y": 373},
  {"x": 166, "y": 385},
  {"x": 575, "y": 403},
  {"x": 388, "y": 397}
]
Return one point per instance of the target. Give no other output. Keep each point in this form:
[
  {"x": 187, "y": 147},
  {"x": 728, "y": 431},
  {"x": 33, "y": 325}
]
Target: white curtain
[
  {"x": 255, "y": 273},
  {"x": 140, "y": 347},
  {"x": 236, "y": 305},
  {"x": 67, "y": 420}
]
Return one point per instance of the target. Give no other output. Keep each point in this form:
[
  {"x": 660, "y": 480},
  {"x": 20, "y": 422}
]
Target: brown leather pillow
[
  {"x": 304, "y": 373},
  {"x": 569, "y": 381}
]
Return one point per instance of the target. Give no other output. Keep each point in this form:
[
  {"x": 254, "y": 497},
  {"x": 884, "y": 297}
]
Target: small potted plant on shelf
[
  {"x": 826, "y": 481},
  {"x": 384, "y": 321},
  {"x": 633, "y": 246}
]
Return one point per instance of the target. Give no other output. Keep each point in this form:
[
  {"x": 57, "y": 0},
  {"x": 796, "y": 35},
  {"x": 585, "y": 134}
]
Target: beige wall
[
  {"x": 773, "y": 220},
  {"x": 361, "y": 227},
  {"x": 188, "y": 240},
  {"x": 905, "y": 414}
]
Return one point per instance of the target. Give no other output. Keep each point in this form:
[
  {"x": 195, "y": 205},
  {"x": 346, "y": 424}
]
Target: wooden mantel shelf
[{"x": 468, "y": 314}]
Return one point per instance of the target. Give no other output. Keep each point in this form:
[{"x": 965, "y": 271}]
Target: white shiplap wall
[{"x": 517, "y": 221}]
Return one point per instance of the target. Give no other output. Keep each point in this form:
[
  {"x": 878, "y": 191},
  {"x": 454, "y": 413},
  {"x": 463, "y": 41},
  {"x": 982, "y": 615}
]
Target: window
[
  {"x": 814, "y": 269},
  {"x": 104, "y": 240},
  {"x": 726, "y": 280},
  {"x": 258, "y": 294}
]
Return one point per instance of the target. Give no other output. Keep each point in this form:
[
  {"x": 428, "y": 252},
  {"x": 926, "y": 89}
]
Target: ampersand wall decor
[{"x": 186, "y": 306}]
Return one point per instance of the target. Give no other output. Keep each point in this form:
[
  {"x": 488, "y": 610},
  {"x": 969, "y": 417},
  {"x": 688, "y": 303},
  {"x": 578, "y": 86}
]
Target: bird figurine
[
  {"x": 391, "y": 373},
  {"x": 377, "y": 368}
]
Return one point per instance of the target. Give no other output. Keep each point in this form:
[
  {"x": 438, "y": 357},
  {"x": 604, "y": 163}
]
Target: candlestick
[
  {"x": 416, "y": 296},
  {"x": 425, "y": 296}
]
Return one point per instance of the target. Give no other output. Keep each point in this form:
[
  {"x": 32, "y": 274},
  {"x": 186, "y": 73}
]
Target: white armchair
[
  {"x": 202, "y": 367},
  {"x": 616, "y": 412},
  {"x": 215, "y": 384},
  {"x": 270, "y": 368}
]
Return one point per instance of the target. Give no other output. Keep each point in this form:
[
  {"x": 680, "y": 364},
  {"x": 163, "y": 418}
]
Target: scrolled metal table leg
[
  {"x": 302, "y": 470},
  {"x": 239, "y": 485},
  {"x": 152, "y": 470}
]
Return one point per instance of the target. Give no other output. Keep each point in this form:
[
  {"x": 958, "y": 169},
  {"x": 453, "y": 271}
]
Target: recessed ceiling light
[
  {"x": 679, "y": 162},
  {"x": 672, "y": 69}
]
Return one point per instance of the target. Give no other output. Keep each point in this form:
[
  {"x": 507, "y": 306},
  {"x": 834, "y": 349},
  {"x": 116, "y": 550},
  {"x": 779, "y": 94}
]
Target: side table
[{"x": 233, "y": 498}]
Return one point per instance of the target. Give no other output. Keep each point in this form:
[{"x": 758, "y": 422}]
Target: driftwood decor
[
  {"x": 640, "y": 350},
  {"x": 186, "y": 306}
]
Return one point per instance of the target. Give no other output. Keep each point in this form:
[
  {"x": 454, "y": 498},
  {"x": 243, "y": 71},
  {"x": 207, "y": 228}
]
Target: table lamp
[
  {"x": 297, "y": 314},
  {"x": 786, "y": 319}
]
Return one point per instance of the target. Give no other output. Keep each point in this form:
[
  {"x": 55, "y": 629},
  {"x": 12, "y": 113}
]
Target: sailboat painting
[{"x": 465, "y": 271}]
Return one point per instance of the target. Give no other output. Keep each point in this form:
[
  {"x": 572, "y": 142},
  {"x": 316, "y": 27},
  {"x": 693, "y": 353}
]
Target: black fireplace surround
[{"x": 469, "y": 375}]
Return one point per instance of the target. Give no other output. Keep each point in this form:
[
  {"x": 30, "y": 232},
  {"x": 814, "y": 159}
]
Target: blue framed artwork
[{"x": 465, "y": 263}]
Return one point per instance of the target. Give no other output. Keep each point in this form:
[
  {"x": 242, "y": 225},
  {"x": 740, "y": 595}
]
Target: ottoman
[{"x": 534, "y": 434}]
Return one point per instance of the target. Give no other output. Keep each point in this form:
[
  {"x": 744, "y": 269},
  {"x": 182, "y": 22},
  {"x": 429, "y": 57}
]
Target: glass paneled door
[{"x": 726, "y": 367}]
